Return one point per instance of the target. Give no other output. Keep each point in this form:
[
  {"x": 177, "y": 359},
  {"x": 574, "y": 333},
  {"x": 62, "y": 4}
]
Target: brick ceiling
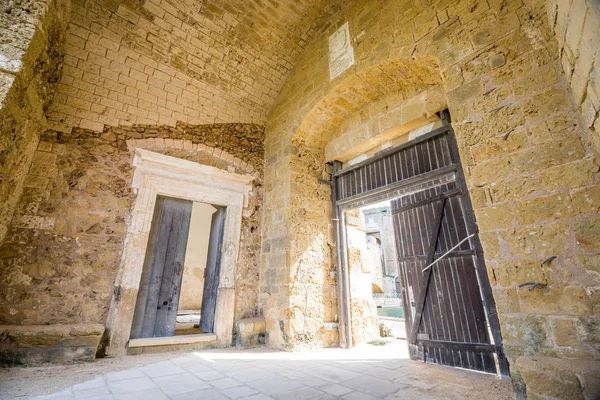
[{"x": 197, "y": 61}]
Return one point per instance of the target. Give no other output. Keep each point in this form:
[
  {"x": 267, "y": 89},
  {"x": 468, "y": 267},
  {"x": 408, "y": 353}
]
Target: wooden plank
[
  {"x": 170, "y": 287},
  {"x": 428, "y": 200},
  {"x": 213, "y": 270},
  {"x": 163, "y": 267},
  {"x": 427, "y": 274},
  {"x": 148, "y": 269},
  {"x": 403, "y": 183}
]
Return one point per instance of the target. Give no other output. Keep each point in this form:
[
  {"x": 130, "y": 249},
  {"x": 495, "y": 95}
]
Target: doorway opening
[
  {"x": 155, "y": 176},
  {"x": 441, "y": 280},
  {"x": 180, "y": 275},
  {"x": 380, "y": 260}
]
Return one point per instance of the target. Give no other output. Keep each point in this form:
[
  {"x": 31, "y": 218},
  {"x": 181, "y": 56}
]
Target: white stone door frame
[{"x": 157, "y": 174}]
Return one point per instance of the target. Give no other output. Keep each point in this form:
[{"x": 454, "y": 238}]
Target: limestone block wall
[
  {"x": 59, "y": 261},
  {"x": 163, "y": 61},
  {"x": 576, "y": 25},
  {"x": 531, "y": 165},
  {"x": 31, "y": 55}
]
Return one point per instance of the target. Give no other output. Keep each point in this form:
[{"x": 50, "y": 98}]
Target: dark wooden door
[
  {"x": 160, "y": 286},
  {"x": 212, "y": 271},
  {"x": 445, "y": 318},
  {"x": 449, "y": 308}
]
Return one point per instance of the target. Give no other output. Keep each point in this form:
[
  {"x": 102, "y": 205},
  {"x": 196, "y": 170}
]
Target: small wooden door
[
  {"x": 213, "y": 270},
  {"x": 160, "y": 285}
]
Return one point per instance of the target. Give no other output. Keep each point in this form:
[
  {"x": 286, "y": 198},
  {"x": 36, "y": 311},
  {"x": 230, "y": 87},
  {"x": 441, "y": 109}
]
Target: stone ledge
[
  {"x": 250, "y": 332},
  {"x": 40, "y": 344},
  {"x": 555, "y": 378}
]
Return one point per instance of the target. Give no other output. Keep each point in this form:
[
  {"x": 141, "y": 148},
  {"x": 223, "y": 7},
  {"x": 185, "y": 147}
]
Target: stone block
[
  {"x": 500, "y": 146},
  {"x": 587, "y": 233},
  {"x": 545, "y": 104},
  {"x": 514, "y": 272},
  {"x": 250, "y": 332},
  {"x": 495, "y": 217},
  {"x": 555, "y": 378},
  {"x": 570, "y": 300},
  {"x": 587, "y": 200},
  {"x": 507, "y": 301},
  {"x": 563, "y": 330},
  {"x": 527, "y": 332},
  {"x": 31, "y": 345},
  {"x": 588, "y": 330},
  {"x": 539, "y": 79},
  {"x": 542, "y": 209}
]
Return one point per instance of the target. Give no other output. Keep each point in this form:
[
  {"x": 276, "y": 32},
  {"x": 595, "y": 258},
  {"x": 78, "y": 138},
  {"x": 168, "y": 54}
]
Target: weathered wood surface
[
  {"x": 444, "y": 305},
  {"x": 160, "y": 285},
  {"x": 213, "y": 271}
]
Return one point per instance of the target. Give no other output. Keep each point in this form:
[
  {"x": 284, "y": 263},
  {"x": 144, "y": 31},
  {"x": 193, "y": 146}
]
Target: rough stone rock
[
  {"x": 560, "y": 379},
  {"x": 250, "y": 332},
  {"x": 38, "y": 344}
]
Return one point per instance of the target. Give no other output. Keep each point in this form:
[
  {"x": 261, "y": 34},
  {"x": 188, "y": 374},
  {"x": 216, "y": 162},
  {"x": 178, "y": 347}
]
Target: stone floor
[{"x": 363, "y": 373}]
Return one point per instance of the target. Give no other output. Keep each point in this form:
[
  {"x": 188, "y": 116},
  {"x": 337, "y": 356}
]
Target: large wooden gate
[{"x": 449, "y": 308}]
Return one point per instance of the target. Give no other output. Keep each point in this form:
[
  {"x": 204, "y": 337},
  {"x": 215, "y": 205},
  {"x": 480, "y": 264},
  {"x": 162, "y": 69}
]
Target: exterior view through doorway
[{"x": 436, "y": 266}]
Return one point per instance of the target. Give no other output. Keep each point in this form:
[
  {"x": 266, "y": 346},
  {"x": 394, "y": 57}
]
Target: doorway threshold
[{"x": 172, "y": 340}]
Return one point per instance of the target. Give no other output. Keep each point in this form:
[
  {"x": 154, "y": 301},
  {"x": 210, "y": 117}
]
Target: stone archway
[{"x": 372, "y": 98}]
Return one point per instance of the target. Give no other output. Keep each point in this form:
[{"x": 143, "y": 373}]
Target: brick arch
[
  {"x": 401, "y": 77},
  {"x": 191, "y": 148}
]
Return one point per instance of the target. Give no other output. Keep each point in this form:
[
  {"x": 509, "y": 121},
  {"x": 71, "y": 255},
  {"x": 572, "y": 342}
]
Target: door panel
[
  {"x": 160, "y": 285},
  {"x": 452, "y": 327},
  {"x": 213, "y": 270},
  {"x": 432, "y": 213}
]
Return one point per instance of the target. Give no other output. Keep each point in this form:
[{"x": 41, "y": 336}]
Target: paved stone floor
[{"x": 363, "y": 373}]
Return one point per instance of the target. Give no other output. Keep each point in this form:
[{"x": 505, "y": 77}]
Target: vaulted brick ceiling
[{"x": 198, "y": 61}]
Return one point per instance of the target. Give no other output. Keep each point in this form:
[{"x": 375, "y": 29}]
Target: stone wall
[
  {"x": 576, "y": 25},
  {"x": 530, "y": 163},
  {"x": 164, "y": 61},
  {"x": 59, "y": 261},
  {"x": 31, "y": 55}
]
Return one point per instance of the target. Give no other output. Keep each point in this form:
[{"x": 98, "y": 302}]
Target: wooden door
[
  {"x": 212, "y": 271},
  {"x": 449, "y": 308},
  {"x": 160, "y": 285},
  {"x": 445, "y": 317}
]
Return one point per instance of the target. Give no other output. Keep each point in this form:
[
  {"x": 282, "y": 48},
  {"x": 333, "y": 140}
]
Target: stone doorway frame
[{"x": 157, "y": 174}]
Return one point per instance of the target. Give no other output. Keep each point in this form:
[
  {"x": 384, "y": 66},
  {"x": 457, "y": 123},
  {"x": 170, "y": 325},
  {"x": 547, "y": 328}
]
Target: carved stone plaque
[{"x": 341, "y": 52}]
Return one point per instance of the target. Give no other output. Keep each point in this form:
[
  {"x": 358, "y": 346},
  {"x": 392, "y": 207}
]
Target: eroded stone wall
[
  {"x": 530, "y": 164},
  {"x": 31, "y": 55},
  {"x": 576, "y": 25},
  {"x": 59, "y": 261}
]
